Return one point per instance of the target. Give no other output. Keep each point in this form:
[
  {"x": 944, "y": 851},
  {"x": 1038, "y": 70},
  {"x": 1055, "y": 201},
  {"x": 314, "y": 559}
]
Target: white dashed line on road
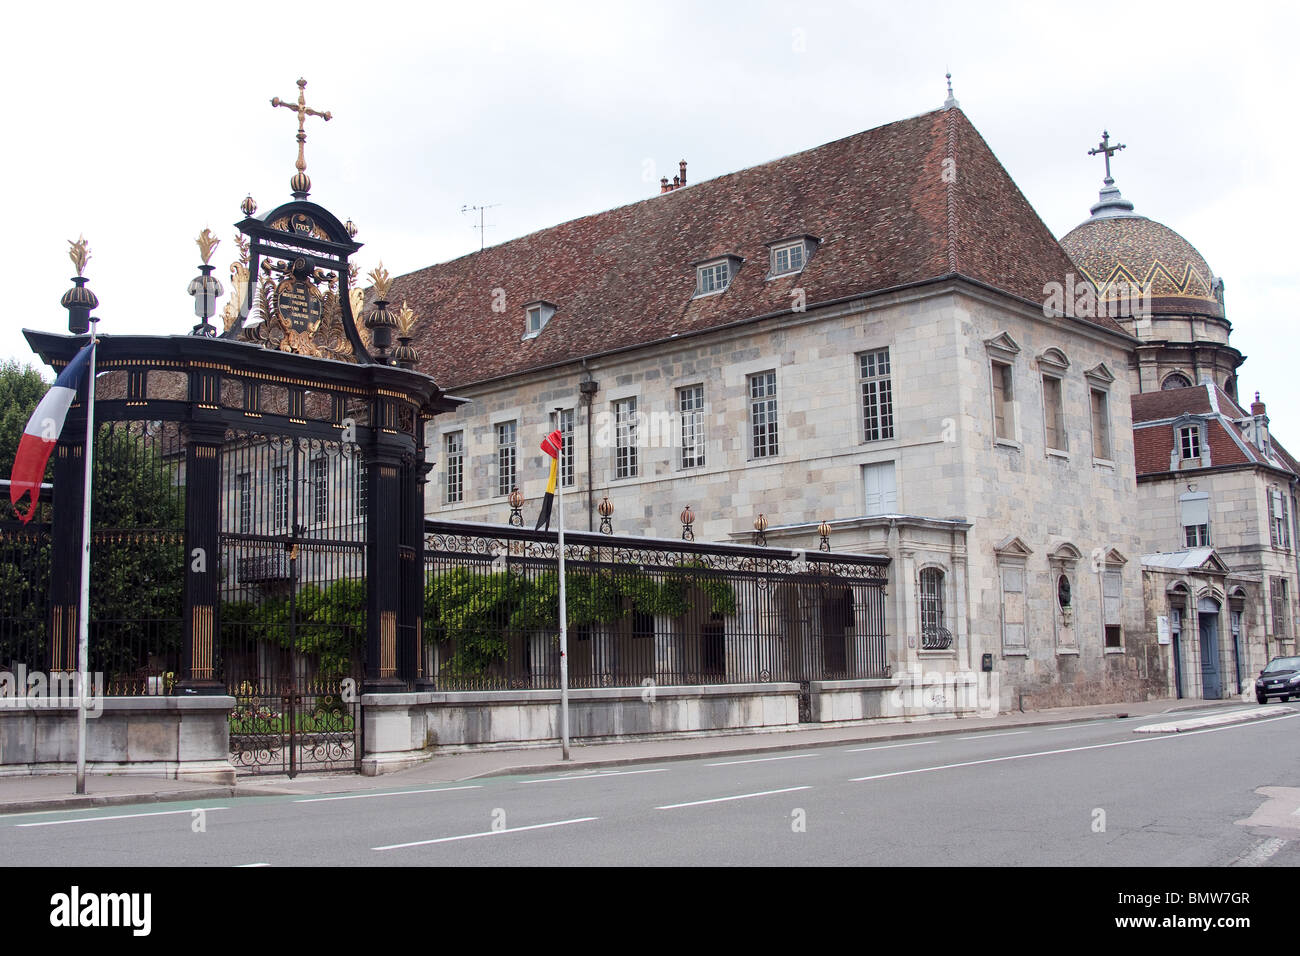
[
  {"x": 595, "y": 776},
  {"x": 740, "y": 796},
  {"x": 485, "y": 833},
  {"x": 120, "y": 816},
  {"x": 732, "y": 763}
]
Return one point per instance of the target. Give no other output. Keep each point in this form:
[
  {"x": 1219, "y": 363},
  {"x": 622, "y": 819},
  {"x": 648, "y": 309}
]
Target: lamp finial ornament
[
  {"x": 207, "y": 244},
  {"x": 379, "y": 276},
  {"x": 79, "y": 253}
]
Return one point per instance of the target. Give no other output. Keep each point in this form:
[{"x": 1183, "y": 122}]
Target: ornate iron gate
[{"x": 293, "y": 600}]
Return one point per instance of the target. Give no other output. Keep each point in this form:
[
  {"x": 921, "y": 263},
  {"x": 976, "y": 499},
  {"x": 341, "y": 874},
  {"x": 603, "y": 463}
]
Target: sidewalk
[{"x": 45, "y": 792}]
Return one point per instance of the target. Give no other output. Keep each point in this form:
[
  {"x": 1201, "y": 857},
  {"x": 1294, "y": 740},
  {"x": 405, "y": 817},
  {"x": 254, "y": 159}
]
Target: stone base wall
[
  {"x": 902, "y": 698},
  {"x": 404, "y": 729},
  {"x": 179, "y": 737}
]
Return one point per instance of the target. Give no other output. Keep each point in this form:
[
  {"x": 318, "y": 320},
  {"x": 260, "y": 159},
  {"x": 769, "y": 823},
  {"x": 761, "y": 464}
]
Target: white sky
[{"x": 139, "y": 125}]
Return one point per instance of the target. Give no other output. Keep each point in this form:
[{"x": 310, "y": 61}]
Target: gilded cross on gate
[
  {"x": 1108, "y": 150},
  {"x": 301, "y": 183}
]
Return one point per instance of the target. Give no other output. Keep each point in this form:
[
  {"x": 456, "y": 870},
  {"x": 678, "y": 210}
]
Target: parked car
[{"x": 1281, "y": 678}]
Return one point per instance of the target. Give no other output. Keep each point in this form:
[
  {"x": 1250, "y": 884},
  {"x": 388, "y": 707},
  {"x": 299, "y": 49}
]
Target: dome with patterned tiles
[{"x": 1117, "y": 250}]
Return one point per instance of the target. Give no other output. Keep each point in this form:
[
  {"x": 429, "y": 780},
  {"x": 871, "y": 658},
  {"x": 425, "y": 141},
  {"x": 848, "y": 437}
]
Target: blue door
[{"x": 1211, "y": 679}]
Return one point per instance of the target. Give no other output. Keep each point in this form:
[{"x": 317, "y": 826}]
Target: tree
[{"x": 21, "y": 390}]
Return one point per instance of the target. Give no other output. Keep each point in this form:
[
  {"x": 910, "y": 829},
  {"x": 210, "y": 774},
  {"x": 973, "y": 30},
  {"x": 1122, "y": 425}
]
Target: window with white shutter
[
  {"x": 1112, "y": 599},
  {"x": 1013, "y": 606},
  {"x": 881, "y": 489}
]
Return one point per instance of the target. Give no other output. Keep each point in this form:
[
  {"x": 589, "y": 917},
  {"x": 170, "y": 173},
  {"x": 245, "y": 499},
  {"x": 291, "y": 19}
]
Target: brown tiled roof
[
  {"x": 1170, "y": 403},
  {"x": 1153, "y": 443},
  {"x": 879, "y": 202}
]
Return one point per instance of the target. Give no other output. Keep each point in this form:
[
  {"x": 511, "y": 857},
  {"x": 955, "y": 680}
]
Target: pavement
[{"x": 45, "y": 792}]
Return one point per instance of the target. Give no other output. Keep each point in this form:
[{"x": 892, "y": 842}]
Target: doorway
[{"x": 1211, "y": 674}]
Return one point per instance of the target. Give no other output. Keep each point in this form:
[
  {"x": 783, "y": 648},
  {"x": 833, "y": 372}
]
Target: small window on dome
[{"x": 1177, "y": 380}]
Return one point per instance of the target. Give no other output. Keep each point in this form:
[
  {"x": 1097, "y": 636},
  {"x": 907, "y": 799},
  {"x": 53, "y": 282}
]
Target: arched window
[
  {"x": 1177, "y": 380},
  {"x": 934, "y": 635}
]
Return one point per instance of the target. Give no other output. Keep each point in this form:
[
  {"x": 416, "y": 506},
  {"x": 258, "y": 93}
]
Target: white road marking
[
  {"x": 593, "y": 776},
  {"x": 732, "y": 763},
  {"x": 740, "y": 796},
  {"x": 1067, "y": 750},
  {"x": 862, "y": 750},
  {"x": 391, "y": 793},
  {"x": 485, "y": 833},
  {"x": 121, "y": 816},
  {"x": 1261, "y": 853},
  {"x": 241, "y": 866},
  {"x": 1009, "y": 733}
]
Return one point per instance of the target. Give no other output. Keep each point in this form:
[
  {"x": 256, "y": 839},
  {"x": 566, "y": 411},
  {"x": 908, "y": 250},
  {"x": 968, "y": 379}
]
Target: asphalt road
[{"x": 1090, "y": 793}]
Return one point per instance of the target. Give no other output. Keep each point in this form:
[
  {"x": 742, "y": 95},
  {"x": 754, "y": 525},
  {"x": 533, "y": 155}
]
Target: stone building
[
  {"x": 854, "y": 335},
  {"x": 1215, "y": 488}
]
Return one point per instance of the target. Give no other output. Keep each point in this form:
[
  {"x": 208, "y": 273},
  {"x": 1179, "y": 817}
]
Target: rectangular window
[
  {"x": 362, "y": 482},
  {"x": 625, "y": 438},
  {"x": 762, "y": 415},
  {"x": 931, "y": 601},
  {"x": 563, "y": 420},
  {"x": 713, "y": 278},
  {"x": 455, "y": 445},
  {"x": 280, "y": 496},
  {"x": 319, "y": 490},
  {"x": 1279, "y": 519},
  {"x": 244, "y": 489},
  {"x": 1281, "y": 609},
  {"x": 690, "y": 405},
  {"x": 787, "y": 258},
  {"x": 1004, "y": 421},
  {"x": 1100, "y": 426},
  {"x": 1189, "y": 442},
  {"x": 506, "y": 457},
  {"x": 877, "y": 395},
  {"x": 881, "y": 491},
  {"x": 1112, "y": 600},
  {"x": 534, "y": 319},
  {"x": 1054, "y": 414},
  {"x": 1194, "y": 508},
  {"x": 1013, "y": 606}
]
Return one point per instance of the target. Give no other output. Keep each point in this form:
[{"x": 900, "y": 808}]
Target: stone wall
[{"x": 179, "y": 737}]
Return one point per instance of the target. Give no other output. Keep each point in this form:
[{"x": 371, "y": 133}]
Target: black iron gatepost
[{"x": 257, "y": 498}]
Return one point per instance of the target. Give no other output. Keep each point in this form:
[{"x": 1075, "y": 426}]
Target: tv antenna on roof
[{"x": 482, "y": 226}]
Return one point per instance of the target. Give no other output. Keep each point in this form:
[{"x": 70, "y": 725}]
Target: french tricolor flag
[{"x": 42, "y": 434}]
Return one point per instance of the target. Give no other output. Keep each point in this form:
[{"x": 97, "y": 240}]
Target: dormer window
[
  {"x": 789, "y": 256},
  {"x": 536, "y": 315},
  {"x": 715, "y": 275},
  {"x": 1189, "y": 442}
]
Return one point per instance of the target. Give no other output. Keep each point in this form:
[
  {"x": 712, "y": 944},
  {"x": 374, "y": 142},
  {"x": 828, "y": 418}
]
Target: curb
[
  {"x": 1217, "y": 720},
  {"x": 85, "y": 801},
  {"x": 745, "y": 751}
]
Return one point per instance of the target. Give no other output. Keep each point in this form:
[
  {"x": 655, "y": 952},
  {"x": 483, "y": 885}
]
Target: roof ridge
[
  {"x": 951, "y": 184},
  {"x": 695, "y": 185}
]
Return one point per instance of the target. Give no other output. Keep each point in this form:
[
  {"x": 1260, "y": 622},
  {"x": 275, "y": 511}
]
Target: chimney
[
  {"x": 678, "y": 181},
  {"x": 1259, "y": 423}
]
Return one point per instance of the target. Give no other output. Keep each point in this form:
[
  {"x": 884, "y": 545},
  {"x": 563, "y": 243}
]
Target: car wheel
[{"x": 1261, "y": 698}]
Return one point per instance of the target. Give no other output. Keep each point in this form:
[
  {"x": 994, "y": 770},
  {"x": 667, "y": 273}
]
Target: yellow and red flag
[{"x": 551, "y": 444}]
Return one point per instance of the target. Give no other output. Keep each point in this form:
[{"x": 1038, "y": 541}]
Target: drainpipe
[{"x": 588, "y": 388}]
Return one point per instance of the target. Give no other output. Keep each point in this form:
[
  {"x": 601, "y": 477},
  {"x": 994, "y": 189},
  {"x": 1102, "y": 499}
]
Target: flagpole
[
  {"x": 564, "y": 617},
  {"x": 83, "y": 614}
]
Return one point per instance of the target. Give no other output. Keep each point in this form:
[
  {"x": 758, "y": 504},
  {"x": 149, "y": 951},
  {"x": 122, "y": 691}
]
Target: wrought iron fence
[
  {"x": 644, "y": 610},
  {"x": 24, "y": 591}
]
